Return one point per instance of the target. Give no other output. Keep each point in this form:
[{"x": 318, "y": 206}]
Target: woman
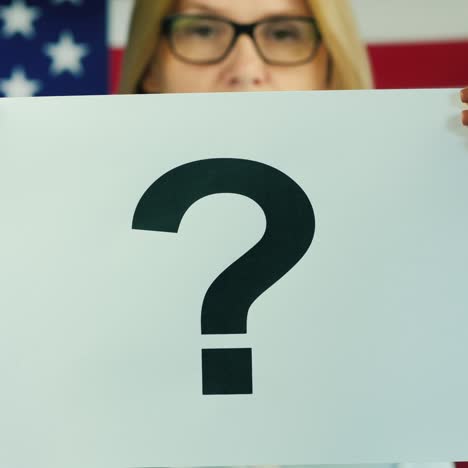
[
  {"x": 188, "y": 46},
  {"x": 326, "y": 54}
]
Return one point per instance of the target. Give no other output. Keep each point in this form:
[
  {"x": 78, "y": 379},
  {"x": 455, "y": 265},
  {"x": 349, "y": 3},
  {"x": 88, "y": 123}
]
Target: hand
[{"x": 464, "y": 98}]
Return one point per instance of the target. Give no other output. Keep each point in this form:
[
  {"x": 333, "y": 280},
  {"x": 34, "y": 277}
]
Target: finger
[
  {"x": 465, "y": 117},
  {"x": 464, "y": 95}
]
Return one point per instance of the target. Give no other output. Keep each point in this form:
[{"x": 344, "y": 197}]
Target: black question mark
[{"x": 289, "y": 232}]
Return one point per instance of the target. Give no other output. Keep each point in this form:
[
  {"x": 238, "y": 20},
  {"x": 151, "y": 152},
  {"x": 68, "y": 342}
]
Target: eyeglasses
[{"x": 207, "y": 40}]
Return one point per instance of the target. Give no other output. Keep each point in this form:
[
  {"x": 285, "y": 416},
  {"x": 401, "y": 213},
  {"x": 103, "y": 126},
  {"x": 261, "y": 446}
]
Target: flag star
[
  {"x": 18, "y": 85},
  {"x": 74, "y": 2},
  {"x": 66, "y": 55},
  {"x": 18, "y": 18}
]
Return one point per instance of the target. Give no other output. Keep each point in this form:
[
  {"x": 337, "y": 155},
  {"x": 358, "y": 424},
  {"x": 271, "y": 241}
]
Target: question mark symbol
[{"x": 289, "y": 232}]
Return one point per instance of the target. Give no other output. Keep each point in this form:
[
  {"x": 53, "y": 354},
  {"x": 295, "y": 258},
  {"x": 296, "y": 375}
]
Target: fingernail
[
  {"x": 464, "y": 95},
  {"x": 465, "y": 117}
]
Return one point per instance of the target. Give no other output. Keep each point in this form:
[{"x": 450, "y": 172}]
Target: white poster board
[{"x": 358, "y": 352}]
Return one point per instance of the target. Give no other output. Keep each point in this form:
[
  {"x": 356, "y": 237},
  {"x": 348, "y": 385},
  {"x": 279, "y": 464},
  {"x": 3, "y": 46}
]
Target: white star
[
  {"x": 18, "y": 18},
  {"x": 75, "y": 2},
  {"x": 18, "y": 85},
  {"x": 66, "y": 55}
]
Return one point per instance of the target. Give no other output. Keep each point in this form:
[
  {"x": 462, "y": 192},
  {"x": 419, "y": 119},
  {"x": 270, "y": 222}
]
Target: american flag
[
  {"x": 53, "y": 47},
  {"x": 73, "y": 47}
]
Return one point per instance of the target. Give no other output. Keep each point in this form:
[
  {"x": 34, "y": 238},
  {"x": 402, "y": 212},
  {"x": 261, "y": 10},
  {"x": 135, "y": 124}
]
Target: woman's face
[{"x": 242, "y": 69}]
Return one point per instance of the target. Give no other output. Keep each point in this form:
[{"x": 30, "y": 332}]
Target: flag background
[
  {"x": 411, "y": 44},
  {"x": 31, "y": 30}
]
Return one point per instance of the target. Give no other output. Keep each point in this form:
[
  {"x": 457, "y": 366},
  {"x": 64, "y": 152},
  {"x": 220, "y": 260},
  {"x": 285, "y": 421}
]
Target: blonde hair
[{"x": 350, "y": 66}]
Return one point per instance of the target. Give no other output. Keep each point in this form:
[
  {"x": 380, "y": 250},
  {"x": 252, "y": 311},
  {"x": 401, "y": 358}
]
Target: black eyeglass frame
[{"x": 239, "y": 29}]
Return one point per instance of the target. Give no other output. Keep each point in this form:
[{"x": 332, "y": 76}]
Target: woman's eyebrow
[{"x": 202, "y": 8}]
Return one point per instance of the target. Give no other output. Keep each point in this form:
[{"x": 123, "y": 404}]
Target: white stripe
[
  {"x": 386, "y": 21},
  {"x": 119, "y": 12},
  {"x": 411, "y": 20}
]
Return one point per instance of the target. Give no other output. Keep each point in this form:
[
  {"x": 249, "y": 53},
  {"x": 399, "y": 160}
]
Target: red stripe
[
  {"x": 420, "y": 65},
  {"x": 115, "y": 65},
  {"x": 409, "y": 65}
]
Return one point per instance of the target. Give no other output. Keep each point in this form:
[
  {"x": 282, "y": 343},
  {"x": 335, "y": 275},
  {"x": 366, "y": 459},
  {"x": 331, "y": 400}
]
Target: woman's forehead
[{"x": 245, "y": 10}]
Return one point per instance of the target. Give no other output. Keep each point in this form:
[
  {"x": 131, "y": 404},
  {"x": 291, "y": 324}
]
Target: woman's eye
[
  {"x": 201, "y": 31},
  {"x": 284, "y": 34}
]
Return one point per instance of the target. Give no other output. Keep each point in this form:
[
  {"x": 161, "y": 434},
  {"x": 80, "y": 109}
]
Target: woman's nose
[{"x": 244, "y": 67}]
